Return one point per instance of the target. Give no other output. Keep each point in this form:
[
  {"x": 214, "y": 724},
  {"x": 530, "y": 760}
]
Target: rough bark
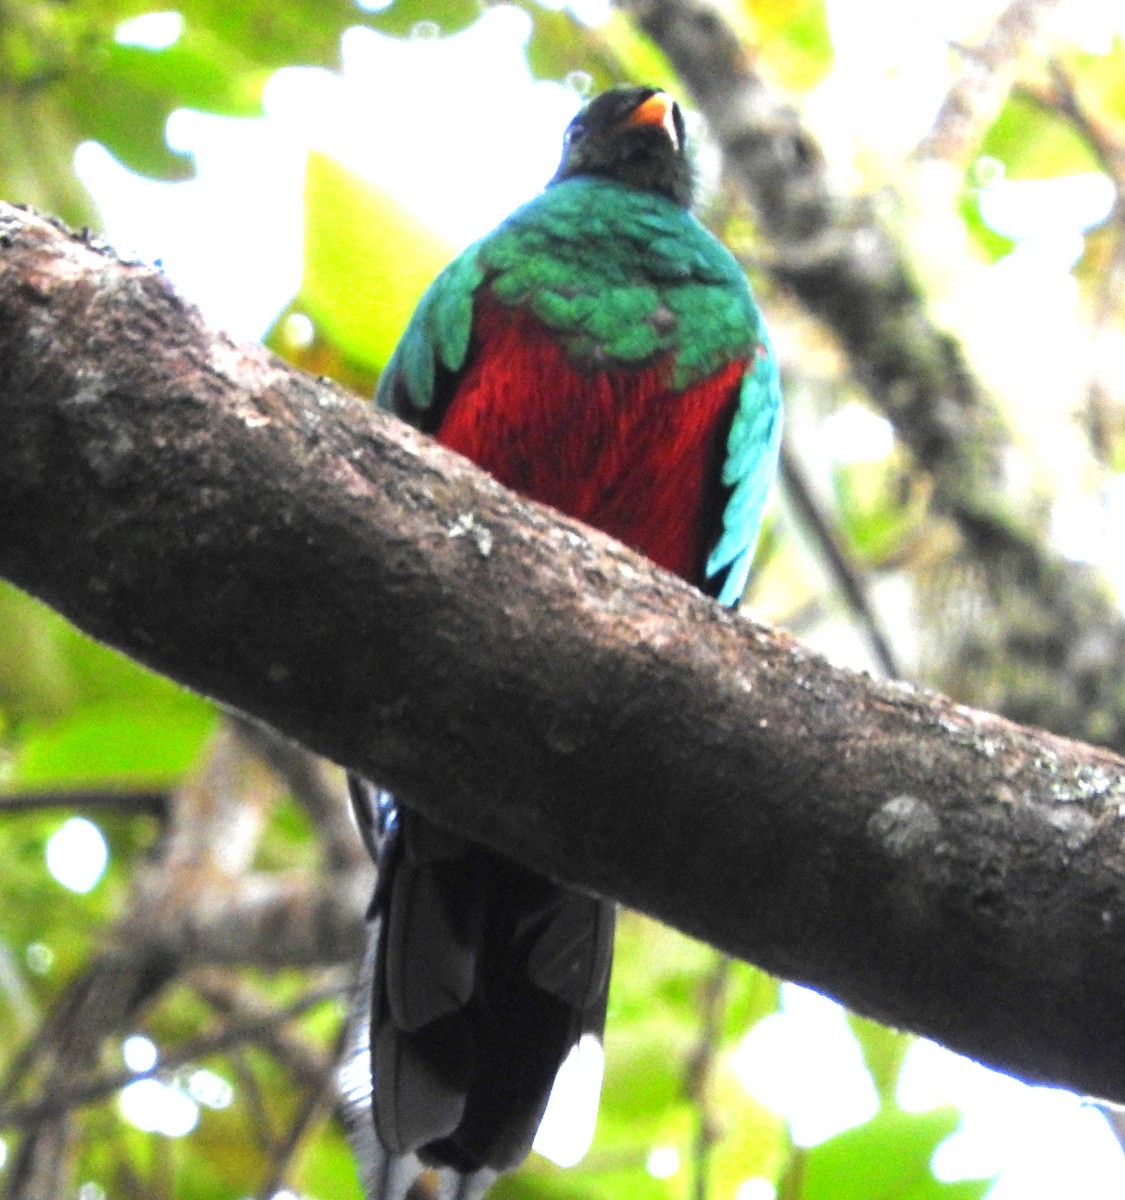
[{"x": 272, "y": 542}]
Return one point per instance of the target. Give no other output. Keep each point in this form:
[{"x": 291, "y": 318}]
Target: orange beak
[{"x": 657, "y": 110}]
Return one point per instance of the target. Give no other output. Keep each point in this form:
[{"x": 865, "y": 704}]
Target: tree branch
[
  {"x": 195, "y": 899},
  {"x": 526, "y": 681},
  {"x": 983, "y": 79},
  {"x": 249, "y": 1030},
  {"x": 147, "y": 801}
]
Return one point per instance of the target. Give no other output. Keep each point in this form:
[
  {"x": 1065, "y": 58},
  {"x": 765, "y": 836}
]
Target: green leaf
[
  {"x": 123, "y": 95},
  {"x": 888, "y": 1158},
  {"x": 753, "y": 1140},
  {"x": 367, "y": 262},
  {"x": 405, "y": 17},
  {"x": 558, "y": 41},
  {"x": 328, "y": 1168},
  {"x": 596, "y": 1178},
  {"x": 113, "y": 722},
  {"x": 1100, "y": 82},
  {"x": 646, "y": 1069},
  {"x": 37, "y": 140},
  {"x": 883, "y": 1052},
  {"x": 994, "y": 246},
  {"x": 1036, "y": 143},
  {"x": 794, "y": 38},
  {"x": 35, "y": 677},
  {"x": 273, "y": 35},
  {"x": 877, "y": 508},
  {"x": 751, "y": 996},
  {"x": 128, "y": 743},
  {"x": 636, "y": 56},
  {"x": 67, "y": 79}
]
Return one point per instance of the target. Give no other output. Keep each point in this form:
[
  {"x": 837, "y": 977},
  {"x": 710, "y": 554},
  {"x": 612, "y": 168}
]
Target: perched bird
[{"x": 600, "y": 352}]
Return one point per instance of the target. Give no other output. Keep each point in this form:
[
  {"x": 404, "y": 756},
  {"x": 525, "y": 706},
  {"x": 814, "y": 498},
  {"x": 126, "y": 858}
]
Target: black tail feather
[{"x": 485, "y": 976}]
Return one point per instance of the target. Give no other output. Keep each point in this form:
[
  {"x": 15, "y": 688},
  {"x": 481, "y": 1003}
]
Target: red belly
[{"x": 616, "y": 449}]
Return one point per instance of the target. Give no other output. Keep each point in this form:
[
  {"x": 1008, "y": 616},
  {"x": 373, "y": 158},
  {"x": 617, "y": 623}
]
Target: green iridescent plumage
[{"x": 573, "y": 256}]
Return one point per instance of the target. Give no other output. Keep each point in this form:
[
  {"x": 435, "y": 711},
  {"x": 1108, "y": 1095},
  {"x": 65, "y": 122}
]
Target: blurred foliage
[
  {"x": 83, "y": 716},
  {"x": 354, "y": 230},
  {"x": 64, "y": 77},
  {"x": 74, "y": 715},
  {"x": 794, "y": 37}
]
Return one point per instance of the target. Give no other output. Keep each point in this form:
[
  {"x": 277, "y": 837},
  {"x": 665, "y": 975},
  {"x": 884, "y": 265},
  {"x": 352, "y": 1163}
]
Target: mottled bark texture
[{"x": 276, "y": 544}]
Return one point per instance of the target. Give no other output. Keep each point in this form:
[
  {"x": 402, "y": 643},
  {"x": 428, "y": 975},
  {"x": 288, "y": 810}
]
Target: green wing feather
[{"x": 436, "y": 340}]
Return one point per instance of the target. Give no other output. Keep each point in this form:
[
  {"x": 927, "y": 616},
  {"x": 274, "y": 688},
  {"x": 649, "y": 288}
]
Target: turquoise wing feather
[{"x": 748, "y": 471}]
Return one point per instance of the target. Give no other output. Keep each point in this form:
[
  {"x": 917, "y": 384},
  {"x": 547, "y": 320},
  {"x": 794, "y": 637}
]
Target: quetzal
[{"x": 600, "y": 352}]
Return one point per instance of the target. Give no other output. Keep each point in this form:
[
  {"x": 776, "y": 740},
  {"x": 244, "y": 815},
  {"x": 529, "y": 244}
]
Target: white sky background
[{"x": 481, "y": 138}]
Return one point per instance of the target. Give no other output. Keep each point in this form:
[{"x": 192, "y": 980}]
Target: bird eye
[{"x": 573, "y": 132}]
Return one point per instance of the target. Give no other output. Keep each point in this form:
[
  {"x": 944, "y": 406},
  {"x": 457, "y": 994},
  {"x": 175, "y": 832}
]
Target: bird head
[{"x": 634, "y": 136}]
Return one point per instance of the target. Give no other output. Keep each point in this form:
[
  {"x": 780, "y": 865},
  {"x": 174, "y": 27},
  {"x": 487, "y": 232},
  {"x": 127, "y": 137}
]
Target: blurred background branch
[
  {"x": 1046, "y": 625},
  {"x": 201, "y": 861}
]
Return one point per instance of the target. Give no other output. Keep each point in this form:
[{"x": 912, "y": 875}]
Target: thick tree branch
[{"x": 272, "y": 542}]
